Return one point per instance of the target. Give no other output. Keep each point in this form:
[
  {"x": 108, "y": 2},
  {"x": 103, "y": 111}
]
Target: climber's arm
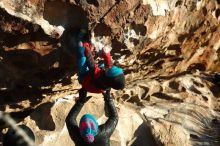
[
  {"x": 71, "y": 118},
  {"x": 90, "y": 60},
  {"x": 110, "y": 125},
  {"x": 107, "y": 57}
]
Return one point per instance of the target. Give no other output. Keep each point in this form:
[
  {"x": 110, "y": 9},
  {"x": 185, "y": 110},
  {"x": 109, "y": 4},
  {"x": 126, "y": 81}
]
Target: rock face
[
  {"x": 178, "y": 108},
  {"x": 168, "y": 49},
  {"x": 58, "y": 135}
]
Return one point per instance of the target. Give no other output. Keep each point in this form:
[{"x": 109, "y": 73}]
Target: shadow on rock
[
  {"x": 31, "y": 62},
  {"x": 43, "y": 114},
  {"x": 16, "y": 116},
  {"x": 19, "y": 94},
  {"x": 143, "y": 137},
  {"x": 25, "y": 73},
  {"x": 68, "y": 15}
]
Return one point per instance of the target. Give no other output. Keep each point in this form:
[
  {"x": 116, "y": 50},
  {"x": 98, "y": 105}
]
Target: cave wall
[
  {"x": 146, "y": 36},
  {"x": 168, "y": 50}
]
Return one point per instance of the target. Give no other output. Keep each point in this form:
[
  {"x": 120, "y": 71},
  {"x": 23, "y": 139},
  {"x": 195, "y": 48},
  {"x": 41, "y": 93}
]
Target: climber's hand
[
  {"x": 106, "y": 49},
  {"x": 80, "y": 44},
  {"x": 83, "y": 96},
  {"x": 106, "y": 94}
]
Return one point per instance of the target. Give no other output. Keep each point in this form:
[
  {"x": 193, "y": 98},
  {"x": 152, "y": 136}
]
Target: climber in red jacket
[{"x": 92, "y": 77}]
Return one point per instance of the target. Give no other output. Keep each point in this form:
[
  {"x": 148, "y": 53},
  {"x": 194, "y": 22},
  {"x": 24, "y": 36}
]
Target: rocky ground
[{"x": 169, "y": 50}]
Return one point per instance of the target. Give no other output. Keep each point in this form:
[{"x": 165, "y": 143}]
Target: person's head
[
  {"x": 115, "y": 78},
  {"x": 12, "y": 138},
  {"x": 88, "y": 128}
]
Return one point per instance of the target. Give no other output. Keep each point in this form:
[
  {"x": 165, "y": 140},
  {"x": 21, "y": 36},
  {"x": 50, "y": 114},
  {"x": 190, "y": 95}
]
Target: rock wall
[
  {"x": 56, "y": 133},
  {"x": 146, "y": 36},
  {"x": 168, "y": 110},
  {"x": 167, "y": 49},
  {"x": 178, "y": 109}
]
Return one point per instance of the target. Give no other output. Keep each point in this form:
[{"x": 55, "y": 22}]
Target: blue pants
[{"x": 82, "y": 67}]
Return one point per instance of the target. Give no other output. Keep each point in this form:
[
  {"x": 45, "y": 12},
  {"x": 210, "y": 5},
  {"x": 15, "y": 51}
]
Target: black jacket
[{"x": 105, "y": 130}]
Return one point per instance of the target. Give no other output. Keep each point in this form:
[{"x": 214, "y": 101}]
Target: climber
[
  {"x": 15, "y": 138},
  {"x": 217, "y": 78},
  {"x": 92, "y": 77},
  {"x": 89, "y": 133}
]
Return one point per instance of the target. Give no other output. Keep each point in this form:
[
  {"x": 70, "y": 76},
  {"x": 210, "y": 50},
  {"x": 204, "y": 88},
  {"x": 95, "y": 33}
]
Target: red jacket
[{"x": 90, "y": 78}]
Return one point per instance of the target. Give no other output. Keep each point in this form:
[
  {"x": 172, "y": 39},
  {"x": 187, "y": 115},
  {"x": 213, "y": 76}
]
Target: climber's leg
[{"x": 82, "y": 68}]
